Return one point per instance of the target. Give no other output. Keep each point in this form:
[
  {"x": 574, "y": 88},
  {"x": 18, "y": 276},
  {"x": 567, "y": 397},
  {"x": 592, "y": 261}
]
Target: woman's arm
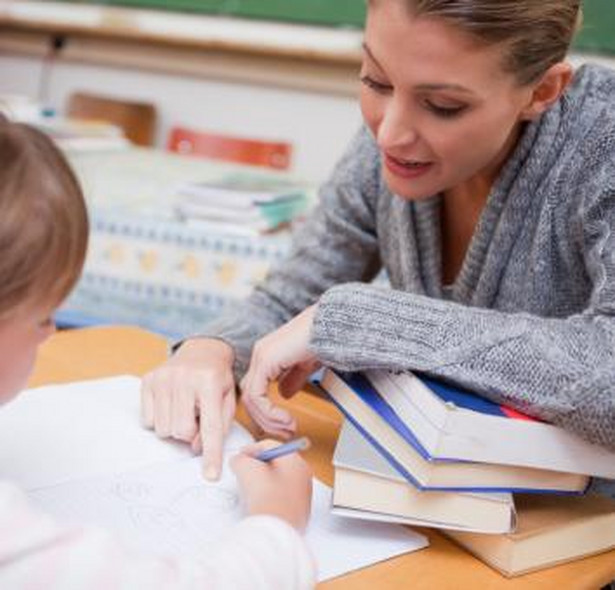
[
  {"x": 562, "y": 370},
  {"x": 191, "y": 397},
  {"x": 337, "y": 244}
]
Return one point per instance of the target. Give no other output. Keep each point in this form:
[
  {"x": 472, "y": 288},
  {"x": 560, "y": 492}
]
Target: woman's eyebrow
[
  {"x": 371, "y": 55},
  {"x": 442, "y": 86},
  {"x": 421, "y": 87}
]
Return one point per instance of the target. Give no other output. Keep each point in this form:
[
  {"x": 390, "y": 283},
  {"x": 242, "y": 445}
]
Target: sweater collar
[{"x": 515, "y": 191}]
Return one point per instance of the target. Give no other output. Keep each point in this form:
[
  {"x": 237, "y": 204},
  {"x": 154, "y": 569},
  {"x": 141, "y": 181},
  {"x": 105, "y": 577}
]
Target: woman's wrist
[{"x": 199, "y": 347}]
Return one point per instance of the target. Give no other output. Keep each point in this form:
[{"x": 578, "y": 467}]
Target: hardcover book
[
  {"x": 361, "y": 404},
  {"x": 550, "y": 530},
  {"x": 366, "y": 486},
  {"x": 453, "y": 423}
]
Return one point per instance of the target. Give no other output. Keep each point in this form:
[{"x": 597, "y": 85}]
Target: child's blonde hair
[{"x": 43, "y": 220}]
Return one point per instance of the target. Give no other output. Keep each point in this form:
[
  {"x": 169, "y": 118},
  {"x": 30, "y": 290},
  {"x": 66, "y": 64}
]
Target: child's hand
[
  {"x": 283, "y": 355},
  {"x": 191, "y": 397},
  {"x": 282, "y": 487}
]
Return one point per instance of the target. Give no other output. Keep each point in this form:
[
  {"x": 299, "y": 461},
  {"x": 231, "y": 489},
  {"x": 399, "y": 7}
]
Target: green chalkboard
[
  {"x": 322, "y": 12},
  {"x": 598, "y": 33}
]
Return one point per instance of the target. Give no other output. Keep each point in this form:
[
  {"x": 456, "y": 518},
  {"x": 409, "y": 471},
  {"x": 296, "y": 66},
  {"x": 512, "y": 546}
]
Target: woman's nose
[{"x": 397, "y": 127}]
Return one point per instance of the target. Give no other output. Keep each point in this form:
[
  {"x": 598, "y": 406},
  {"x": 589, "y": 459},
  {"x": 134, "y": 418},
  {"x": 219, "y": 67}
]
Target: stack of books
[
  {"x": 550, "y": 530},
  {"x": 70, "y": 134},
  {"x": 422, "y": 452},
  {"x": 244, "y": 202},
  {"x": 81, "y": 135}
]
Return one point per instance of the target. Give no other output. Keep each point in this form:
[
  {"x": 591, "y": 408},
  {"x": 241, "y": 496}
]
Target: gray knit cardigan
[{"x": 530, "y": 319}]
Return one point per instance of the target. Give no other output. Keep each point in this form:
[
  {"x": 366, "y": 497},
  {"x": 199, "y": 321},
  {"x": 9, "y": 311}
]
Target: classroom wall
[{"x": 319, "y": 125}]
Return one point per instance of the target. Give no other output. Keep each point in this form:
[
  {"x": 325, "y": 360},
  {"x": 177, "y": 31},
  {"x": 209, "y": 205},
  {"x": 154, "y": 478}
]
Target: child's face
[
  {"x": 442, "y": 108},
  {"x": 20, "y": 336}
]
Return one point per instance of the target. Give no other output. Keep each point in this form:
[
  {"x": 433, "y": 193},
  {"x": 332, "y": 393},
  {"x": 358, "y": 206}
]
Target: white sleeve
[
  {"x": 35, "y": 552},
  {"x": 263, "y": 552}
]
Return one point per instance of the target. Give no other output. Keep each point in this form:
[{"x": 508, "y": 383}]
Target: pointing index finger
[{"x": 212, "y": 434}]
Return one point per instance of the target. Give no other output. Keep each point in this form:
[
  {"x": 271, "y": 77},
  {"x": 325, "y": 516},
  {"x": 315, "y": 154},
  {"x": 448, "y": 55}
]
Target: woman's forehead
[{"x": 428, "y": 51}]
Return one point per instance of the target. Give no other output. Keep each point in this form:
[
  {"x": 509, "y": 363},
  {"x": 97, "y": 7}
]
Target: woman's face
[
  {"x": 442, "y": 109},
  {"x": 20, "y": 336}
]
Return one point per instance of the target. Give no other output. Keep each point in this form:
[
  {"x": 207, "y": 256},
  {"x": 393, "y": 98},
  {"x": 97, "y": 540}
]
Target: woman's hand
[
  {"x": 282, "y": 355},
  {"x": 191, "y": 397},
  {"x": 282, "y": 487}
]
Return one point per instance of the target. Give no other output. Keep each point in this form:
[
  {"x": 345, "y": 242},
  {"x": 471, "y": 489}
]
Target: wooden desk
[{"x": 100, "y": 352}]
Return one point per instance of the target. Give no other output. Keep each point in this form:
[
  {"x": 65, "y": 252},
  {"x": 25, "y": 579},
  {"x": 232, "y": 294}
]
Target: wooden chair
[
  {"x": 136, "y": 119},
  {"x": 232, "y": 149}
]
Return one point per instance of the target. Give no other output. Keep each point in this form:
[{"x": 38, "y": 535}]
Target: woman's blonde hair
[
  {"x": 43, "y": 220},
  {"x": 535, "y": 34}
]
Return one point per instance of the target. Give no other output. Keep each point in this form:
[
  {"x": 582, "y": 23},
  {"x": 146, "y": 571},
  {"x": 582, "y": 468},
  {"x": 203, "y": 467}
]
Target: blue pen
[{"x": 298, "y": 444}]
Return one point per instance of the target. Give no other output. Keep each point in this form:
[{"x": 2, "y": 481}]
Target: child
[
  {"x": 43, "y": 236},
  {"x": 483, "y": 182}
]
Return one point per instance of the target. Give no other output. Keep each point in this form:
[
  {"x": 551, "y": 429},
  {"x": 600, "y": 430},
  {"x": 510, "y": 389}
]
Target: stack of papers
[
  {"x": 83, "y": 135},
  {"x": 19, "y": 107},
  {"x": 241, "y": 201}
]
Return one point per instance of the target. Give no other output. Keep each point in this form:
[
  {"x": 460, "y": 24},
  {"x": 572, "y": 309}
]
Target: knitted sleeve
[{"x": 561, "y": 370}]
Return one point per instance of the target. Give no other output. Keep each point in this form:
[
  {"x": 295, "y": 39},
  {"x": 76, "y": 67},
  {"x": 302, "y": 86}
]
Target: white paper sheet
[
  {"x": 164, "y": 506},
  {"x": 60, "y": 433}
]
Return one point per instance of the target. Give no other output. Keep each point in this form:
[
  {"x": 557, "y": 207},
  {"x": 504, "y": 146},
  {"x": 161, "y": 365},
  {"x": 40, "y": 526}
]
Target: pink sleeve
[{"x": 35, "y": 552}]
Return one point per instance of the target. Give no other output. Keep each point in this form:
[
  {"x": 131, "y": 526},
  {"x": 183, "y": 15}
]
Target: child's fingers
[
  {"x": 254, "y": 449},
  {"x": 245, "y": 466},
  {"x": 246, "y": 459}
]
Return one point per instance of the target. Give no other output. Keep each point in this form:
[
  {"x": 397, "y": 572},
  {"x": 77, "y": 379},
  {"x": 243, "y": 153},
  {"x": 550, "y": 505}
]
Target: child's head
[
  {"x": 447, "y": 85},
  {"x": 43, "y": 239}
]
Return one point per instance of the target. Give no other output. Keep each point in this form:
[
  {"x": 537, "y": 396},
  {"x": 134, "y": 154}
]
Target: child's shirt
[{"x": 261, "y": 552}]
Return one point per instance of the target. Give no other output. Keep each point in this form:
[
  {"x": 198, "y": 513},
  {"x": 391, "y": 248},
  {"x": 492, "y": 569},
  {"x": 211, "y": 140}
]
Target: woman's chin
[
  {"x": 410, "y": 193},
  {"x": 410, "y": 190}
]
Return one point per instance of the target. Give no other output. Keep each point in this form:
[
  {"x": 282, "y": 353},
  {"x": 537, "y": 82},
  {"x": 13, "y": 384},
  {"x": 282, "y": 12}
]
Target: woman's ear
[{"x": 548, "y": 89}]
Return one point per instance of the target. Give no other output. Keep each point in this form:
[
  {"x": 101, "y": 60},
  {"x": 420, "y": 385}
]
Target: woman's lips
[{"x": 406, "y": 168}]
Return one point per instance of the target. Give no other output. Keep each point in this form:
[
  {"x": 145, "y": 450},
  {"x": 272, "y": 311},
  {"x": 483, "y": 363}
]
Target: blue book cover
[
  {"x": 362, "y": 387},
  {"x": 463, "y": 398},
  {"x": 368, "y": 393}
]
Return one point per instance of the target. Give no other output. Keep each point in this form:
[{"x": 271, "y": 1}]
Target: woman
[{"x": 484, "y": 183}]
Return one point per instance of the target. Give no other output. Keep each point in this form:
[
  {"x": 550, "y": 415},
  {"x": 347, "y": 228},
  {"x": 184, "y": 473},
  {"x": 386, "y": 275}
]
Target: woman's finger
[
  {"x": 163, "y": 402},
  {"x": 184, "y": 425},
  {"x": 294, "y": 379},
  {"x": 212, "y": 434}
]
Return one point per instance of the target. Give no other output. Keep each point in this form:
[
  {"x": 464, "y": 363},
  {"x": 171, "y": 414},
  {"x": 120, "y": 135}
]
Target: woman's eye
[
  {"x": 374, "y": 85},
  {"x": 445, "y": 112}
]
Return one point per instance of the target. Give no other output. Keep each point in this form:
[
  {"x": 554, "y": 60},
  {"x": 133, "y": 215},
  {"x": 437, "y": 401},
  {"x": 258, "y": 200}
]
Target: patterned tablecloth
[{"x": 147, "y": 267}]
